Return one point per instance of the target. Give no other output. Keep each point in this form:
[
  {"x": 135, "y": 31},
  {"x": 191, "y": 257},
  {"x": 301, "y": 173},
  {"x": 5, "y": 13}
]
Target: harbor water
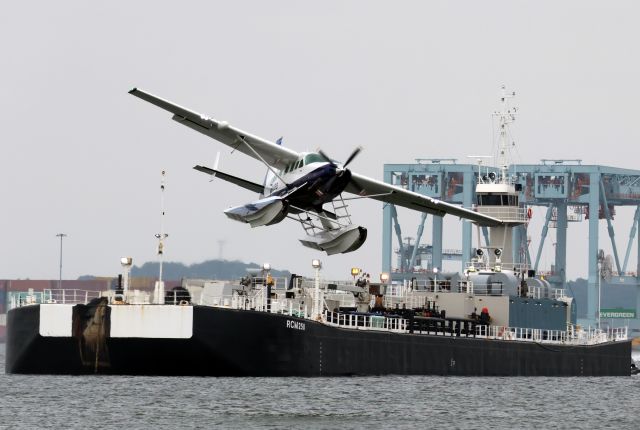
[{"x": 400, "y": 402}]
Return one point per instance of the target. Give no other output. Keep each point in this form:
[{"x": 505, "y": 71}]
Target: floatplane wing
[
  {"x": 378, "y": 190},
  {"x": 254, "y": 146}
]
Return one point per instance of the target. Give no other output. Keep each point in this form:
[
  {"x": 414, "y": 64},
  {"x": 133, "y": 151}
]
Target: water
[{"x": 129, "y": 402}]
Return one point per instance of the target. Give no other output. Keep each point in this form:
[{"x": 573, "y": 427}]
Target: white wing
[
  {"x": 378, "y": 190},
  {"x": 272, "y": 154}
]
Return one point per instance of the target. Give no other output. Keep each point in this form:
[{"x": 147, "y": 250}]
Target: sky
[{"x": 403, "y": 79}]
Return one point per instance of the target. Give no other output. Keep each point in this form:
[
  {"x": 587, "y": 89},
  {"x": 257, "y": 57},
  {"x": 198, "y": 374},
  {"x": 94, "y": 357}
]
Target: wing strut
[
  {"x": 369, "y": 196},
  {"x": 242, "y": 139}
]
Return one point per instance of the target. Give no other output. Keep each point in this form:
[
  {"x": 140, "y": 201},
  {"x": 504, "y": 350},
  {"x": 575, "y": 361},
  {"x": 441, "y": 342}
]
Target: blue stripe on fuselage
[{"x": 325, "y": 172}]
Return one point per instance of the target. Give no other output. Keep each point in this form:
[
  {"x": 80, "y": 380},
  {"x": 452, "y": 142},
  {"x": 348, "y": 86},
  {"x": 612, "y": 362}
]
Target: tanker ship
[{"x": 486, "y": 322}]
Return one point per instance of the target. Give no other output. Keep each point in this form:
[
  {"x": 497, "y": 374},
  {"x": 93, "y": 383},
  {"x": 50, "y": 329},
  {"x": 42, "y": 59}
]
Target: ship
[{"x": 311, "y": 327}]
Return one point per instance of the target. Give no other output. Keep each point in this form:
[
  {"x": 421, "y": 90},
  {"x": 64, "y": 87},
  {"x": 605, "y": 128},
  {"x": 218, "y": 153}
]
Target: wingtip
[{"x": 133, "y": 90}]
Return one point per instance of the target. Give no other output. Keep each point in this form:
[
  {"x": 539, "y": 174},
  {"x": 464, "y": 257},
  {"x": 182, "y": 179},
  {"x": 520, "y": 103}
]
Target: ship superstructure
[{"x": 553, "y": 196}]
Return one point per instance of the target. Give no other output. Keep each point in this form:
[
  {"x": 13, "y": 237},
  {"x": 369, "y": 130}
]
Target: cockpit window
[{"x": 313, "y": 158}]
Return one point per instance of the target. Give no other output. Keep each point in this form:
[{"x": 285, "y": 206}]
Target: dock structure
[{"x": 569, "y": 190}]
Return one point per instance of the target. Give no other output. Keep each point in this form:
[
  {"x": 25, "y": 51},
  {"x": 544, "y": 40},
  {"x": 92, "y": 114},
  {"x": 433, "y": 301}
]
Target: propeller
[
  {"x": 326, "y": 157},
  {"x": 340, "y": 171},
  {"x": 353, "y": 155}
]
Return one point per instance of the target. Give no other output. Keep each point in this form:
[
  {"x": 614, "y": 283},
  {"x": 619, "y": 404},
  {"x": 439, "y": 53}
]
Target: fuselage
[{"x": 309, "y": 182}]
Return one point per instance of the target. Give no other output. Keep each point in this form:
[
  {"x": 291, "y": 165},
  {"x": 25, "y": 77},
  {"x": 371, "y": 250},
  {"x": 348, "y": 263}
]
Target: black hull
[{"x": 229, "y": 342}]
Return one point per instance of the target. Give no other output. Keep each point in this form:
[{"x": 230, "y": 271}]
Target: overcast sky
[{"x": 404, "y": 79}]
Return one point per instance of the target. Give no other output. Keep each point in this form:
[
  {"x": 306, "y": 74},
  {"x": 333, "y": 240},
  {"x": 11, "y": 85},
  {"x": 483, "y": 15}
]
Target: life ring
[
  {"x": 529, "y": 213},
  {"x": 183, "y": 302}
]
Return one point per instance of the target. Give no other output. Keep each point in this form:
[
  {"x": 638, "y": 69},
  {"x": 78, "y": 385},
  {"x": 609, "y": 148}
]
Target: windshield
[{"x": 313, "y": 158}]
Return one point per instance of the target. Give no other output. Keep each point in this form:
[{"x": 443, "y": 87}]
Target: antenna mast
[
  {"x": 159, "y": 289},
  {"x": 506, "y": 116}
]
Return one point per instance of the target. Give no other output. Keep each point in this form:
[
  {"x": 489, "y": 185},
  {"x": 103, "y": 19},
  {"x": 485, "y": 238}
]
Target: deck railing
[
  {"x": 397, "y": 324},
  {"x": 366, "y": 322},
  {"x": 391, "y": 323},
  {"x": 61, "y": 296}
]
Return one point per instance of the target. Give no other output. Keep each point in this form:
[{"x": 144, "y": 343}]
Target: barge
[{"x": 308, "y": 327}]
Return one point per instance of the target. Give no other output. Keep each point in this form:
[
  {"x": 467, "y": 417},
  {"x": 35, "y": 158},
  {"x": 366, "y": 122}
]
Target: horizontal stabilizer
[{"x": 251, "y": 186}]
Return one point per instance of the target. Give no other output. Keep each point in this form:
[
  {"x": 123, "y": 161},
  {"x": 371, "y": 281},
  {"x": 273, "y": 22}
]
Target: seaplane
[{"x": 308, "y": 187}]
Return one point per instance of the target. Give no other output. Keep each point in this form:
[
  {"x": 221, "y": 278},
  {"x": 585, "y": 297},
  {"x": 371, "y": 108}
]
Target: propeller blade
[
  {"x": 353, "y": 155},
  {"x": 327, "y": 159}
]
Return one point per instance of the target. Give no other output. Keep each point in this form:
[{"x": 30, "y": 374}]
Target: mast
[
  {"x": 506, "y": 116},
  {"x": 498, "y": 195},
  {"x": 159, "y": 288}
]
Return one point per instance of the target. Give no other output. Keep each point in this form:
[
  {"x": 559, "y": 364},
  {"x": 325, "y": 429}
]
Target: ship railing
[
  {"x": 278, "y": 282},
  {"x": 426, "y": 285},
  {"x": 366, "y": 322},
  {"x": 411, "y": 301},
  {"x": 570, "y": 336},
  {"x": 256, "y": 302},
  {"x": 420, "y": 284},
  {"x": 61, "y": 296},
  {"x": 618, "y": 333},
  {"x": 534, "y": 292},
  {"x": 504, "y": 213},
  {"x": 465, "y": 287},
  {"x": 139, "y": 297},
  {"x": 310, "y": 284},
  {"x": 490, "y": 289},
  {"x": 521, "y": 334}
]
